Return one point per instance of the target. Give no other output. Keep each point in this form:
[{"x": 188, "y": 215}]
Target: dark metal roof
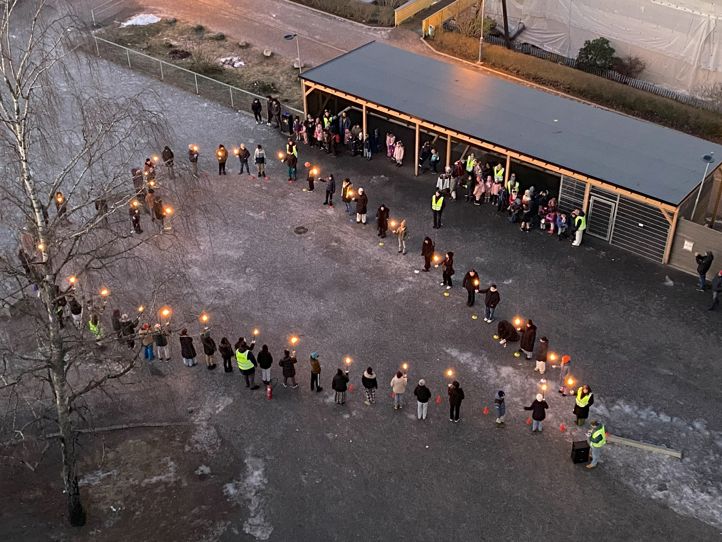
[{"x": 640, "y": 156}]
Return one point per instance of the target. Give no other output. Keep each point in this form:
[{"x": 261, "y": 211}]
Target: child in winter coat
[
  {"x": 399, "y": 153},
  {"x": 390, "y": 145},
  {"x": 538, "y": 408},
  {"x": 368, "y": 380},
  {"x": 500, "y": 407}
]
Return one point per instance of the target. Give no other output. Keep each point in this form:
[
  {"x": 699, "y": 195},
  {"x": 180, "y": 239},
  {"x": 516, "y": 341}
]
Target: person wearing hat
[
  {"x": 597, "y": 438},
  {"x": 716, "y": 291},
  {"x": 362, "y": 202},
  {"x": 160, "y": 336},
  {"x": 564, "y": 370},
  {"x": 422, "y": 394},
  {"x": 538, "y": 412},
  {"x": 369, "y": 382},
  {"x": 315, "y": 372},
  {"x": 500, "y": 407},
  {"x": 209, "y": 348}
]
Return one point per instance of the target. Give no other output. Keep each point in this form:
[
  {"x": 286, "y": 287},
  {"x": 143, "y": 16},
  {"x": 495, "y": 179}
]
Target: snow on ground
[
  {"x": 692, "y": 486},
  {"x": 205, "y": 437},
  {"x": 142, "y": 19},
  {"x": 251, "y": 491}
]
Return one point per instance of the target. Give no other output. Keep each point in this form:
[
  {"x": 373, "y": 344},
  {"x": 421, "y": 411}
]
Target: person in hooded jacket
[
  {"x": 528, "y": 338},
  {"x": 382, "y": 220},
  {"x": 226, "y": 351},
  {"x": 456, "y": 396},
  {"x": 265, "y": 362},
  {"x": 538, "y": 412},
  {"x": 127, "y": 330},
  {"x": 368, "y": 380},
  {"x": 500, "y": 407},
  {"x": 76, "y": 311},
  {"x": 583, "y": 400},
  {"x": 491, "y": 300},
  {"x": 330, "y": 190},
  {"x": 506, "y": 332},
  {"x": 541, "y": 353},
  {"x": 704, "y": 262},
  {"x": 243, "y": 156},
  {"x": 188, "y": 352},
  {"x": 256, "y": 107},
  {"x": 288, "y": 363},
  {"x": 471, "y": 284},
  {"x": 168, "y": 157},
  {"x": 116, "y": 324},
  {"x": 339, "y": 384},
  {"x": 447, "y": 270},
  {"x": 422, "y": 394},
  {"x": 209, "y": 348},
  {"x": 427, "y": 251},
  {"x": 362, "y": 202},
  {"x": 315, "y": 372}
]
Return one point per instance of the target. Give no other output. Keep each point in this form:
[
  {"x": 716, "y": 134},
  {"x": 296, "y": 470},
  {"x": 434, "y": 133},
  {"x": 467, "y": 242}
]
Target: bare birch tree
[{"x": 66, "y": 149}]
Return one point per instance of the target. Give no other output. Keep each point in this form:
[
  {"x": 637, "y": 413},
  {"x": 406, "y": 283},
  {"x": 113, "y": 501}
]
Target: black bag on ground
[{"x": 580, "y": 451}]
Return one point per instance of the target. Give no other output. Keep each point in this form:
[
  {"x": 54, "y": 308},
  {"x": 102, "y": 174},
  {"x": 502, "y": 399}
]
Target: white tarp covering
[{"x": 680, "y": 41}]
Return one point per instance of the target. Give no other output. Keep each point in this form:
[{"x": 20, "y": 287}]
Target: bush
[
  {"x": 203, "y": 62},
  {"x": 199, "y": 29},
  {"x": 584, "y": 85},
  {"x": 597, "y": 53},
  {"x": 631, "y": 66},
  {"x": 220, "y": 36}
]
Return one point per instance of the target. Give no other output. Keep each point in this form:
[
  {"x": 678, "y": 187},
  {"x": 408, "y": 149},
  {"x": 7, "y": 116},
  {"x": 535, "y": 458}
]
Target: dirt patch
[
  {"x": 126, "y": 475},
  {"x": 200, "y": 50}
]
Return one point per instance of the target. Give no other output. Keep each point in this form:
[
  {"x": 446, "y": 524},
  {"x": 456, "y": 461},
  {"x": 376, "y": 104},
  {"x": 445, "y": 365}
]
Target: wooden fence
[
  {"x": 437, "y": 19},
  {"x": 411, "y": 8}
]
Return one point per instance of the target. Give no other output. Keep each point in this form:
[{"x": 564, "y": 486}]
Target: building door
[{"x": 601, "y": 217}]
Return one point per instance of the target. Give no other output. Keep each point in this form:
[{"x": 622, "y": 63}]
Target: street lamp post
[
  {"x": 481, "y": 36},
  {"x": 298, "y": 48},
  {"x": 708, "y": 159}
]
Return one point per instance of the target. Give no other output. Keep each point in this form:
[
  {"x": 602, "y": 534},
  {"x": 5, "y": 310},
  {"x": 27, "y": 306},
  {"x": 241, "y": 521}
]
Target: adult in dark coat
[
  {"x": 288, "y": 363},
  {"x": 542, "y": 351},
  {"x": 188, "y": 352},
  {"x": 265, "y": 362},
  {"x": 506, "y": 332},
  {"x": 528, "y": 338},
  {"x": 226, "y": 351},
  {"x": 127, "y": 330},
  {"x": 330, "y": 190},
  {"x": 704, "y": 262},
  {"x": 362, "y": 202},
  {"x": 339, "y": 384},
  {"x": 209, "y": 348},
  {"x": 370, "y": 384},
  {"x": 471, "y": 283},
  {"x": 256, "y": 107},
  {"x": 427, "y": 251},
  {"x": 583, "y": 399},
  {"x": 447, "y": 266},
  {"x": 491, "y": 300},
  {"x": 382, "y": 220},
  {"x": 456, "y": 396},
  {"x": 716, "y": 291}
]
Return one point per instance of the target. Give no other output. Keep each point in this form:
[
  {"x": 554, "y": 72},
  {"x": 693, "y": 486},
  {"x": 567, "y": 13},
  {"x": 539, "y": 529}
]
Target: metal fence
[
  {"x": 607, "y": 74},
  {"x": 202, "y": 85}
]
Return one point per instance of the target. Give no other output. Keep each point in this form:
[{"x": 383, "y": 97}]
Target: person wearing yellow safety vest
[
  {"x": 579, "y": 224},
  {"x": 437, "y": 207},
  {"x": 597, "y": 438},
  {"x": 512, "y": 185},
  {"x": 246, "y": 362},
  {"x": 469, "y": 182},
  {"x": 94, "y": 326},
  {"x": 498, "y": 173},
  {"x": 583, "y": 399}
]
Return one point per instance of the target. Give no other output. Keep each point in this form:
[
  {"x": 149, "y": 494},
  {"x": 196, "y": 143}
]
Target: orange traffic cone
[
  {"x": 350, "y": 387},
  {"x": 486, "y": 410},
  {"x": 528, "y": 421},
  {"x": 562, "y": 427},
  {"x": 438, "y": 399}
]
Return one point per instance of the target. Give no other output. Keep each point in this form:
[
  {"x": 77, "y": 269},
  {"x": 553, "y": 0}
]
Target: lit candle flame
[
  {"x": 314, "y": 172},
  {"x": 294, "y": 340},
  {"x": 405, "y": 366},
  {"x": 449, "y": 373},
  {"x": 72, "y": 279},
  {"x": 348, "y": 360},
  {"x": 134, "y": 203},
  {"x": 256, "y": 332},
  {"x": 280, "y": 155},
  {"x": 544, "y": 387},
  {"x": 236, "y": 151},
  {"x": 155, "y": 158},
  {"x": 195, "y": 148},
  {"x": 165, "y": 312},
  {"x": 169, "y": 210},
  {"x": 204, "y": 317},
  {"x": 59, "y": 198},
  {"x": 41, "y": 247},
  {"x": 393, "y": 223},
  {"x": 141, "y": 308},
  {"x": 476, "y": 282},
  {"x": 570, "y": 381},
  {"x": 552, "y": 356},
  {"x": 104, "y": 292},
  {"x": 517, "y": 321}
]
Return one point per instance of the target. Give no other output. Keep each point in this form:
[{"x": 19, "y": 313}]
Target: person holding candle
[
  {"x": 160, "y": 337},
  {"x": 506, "y": 332},
  {"x": 243, "y": 155},
  {"x": 422, "y": 394},
  {"x": 398, "y": 387},
  {"x": 193, "y": 159},
  {"x": 226, "y": 351},
  {"x": 583, "y": 400},
  {"x": 471, "y": 283},
  {"x": 127, "y": 330},
  {"x": 447, "y": 266},
  {"x": 491, "y": 300},
  {"x": 456, "y": 396},
  {"x": 368, "y": 380},
  {"x": 427, "y": 251},
  {"x": 330, "y": 190},
  {"x": 146, "y": 339},
  {"x": 564, "y": 370},
  {"x": 315, "y": 372},
  {"x": 542, "y": 351},
  {"x": 402, "y": 233},
  {"x": 222, "y": 156},
  {"x": 291, "y": 161},
  {"x": 265, "y": 362},
  {"x": 538, "y": 408},
  {"x": 76, "y": 311},
  {"x": 167, "y": 156},
  {"x": 259, "y": 158},
  {"x": 188, "y": 351},
  {"x": 382, "y": 220},
  {"x": 362, "y": 202},
  {"x": 347, "y": 194},
  {"x": 209, "y": 348},
  {"x": 339, "y": 384},
  {"x": 500, "y": 407},
  {"x": 134, "y": 212},
  {"x": 288, "y": 363},
  {"x": 246, "y": 362},
  {"x": 528, "y": 338}
]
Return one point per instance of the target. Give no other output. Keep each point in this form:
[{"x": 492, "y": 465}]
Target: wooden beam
[
  {"x": 666, "y": 215},
  {"x": 670, "y": 237},
  {"x": 416, "y": 152},
  {"x": 364, "y": 128},
  {"x": 507, "y": 170},
  {"x": 305, "y": 98},
  {"x": 500, "y": 150},
  {"x": 644, "y": 446},
  {"x": 585, "y": 202},
  {"x": 448, "y": 150},
  {"x": 716, "y": 203}
]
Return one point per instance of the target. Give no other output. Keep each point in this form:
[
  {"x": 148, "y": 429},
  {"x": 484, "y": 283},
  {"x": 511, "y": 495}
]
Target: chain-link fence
[{"x": 183, "y": 78}]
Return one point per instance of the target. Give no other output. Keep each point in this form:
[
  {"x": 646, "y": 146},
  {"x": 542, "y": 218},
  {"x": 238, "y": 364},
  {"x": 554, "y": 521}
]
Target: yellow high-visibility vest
[
  {"x": 436, "y": 204},
  {"x": 598, "y": 437},
  {"x": 244, "y": 363},
  {"x": 498, "y": 173},
  {"x": 582, "y": 401},
  {"x": 94, "y": 329}
]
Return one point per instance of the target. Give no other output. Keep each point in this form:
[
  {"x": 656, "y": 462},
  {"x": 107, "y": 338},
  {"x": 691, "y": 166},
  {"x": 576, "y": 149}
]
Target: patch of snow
[
  {"x": 203, "y": 469},
  {"x": 95, "y": 477},
  {"x": 205, "y": 438},
  {"x": 142, "y": 19},
  {"x": 250, "y": 490},
  {"x": 169, "y": 476},
  {"x": 231, "y": 62}
]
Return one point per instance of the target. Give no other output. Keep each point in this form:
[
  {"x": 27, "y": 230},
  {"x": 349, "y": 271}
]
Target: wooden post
[
  {"x": 716, "y": 203},
  {"x": 448, "y": 150},
  {"x": 416, "y": 154},
  {"x": 305, "y": 98},
  {"x": 507, "y": 170},
  {"x": 670, "y": 238},
  {"x": 364, "y": 127},
  {"x": 585, "y": 202}
]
